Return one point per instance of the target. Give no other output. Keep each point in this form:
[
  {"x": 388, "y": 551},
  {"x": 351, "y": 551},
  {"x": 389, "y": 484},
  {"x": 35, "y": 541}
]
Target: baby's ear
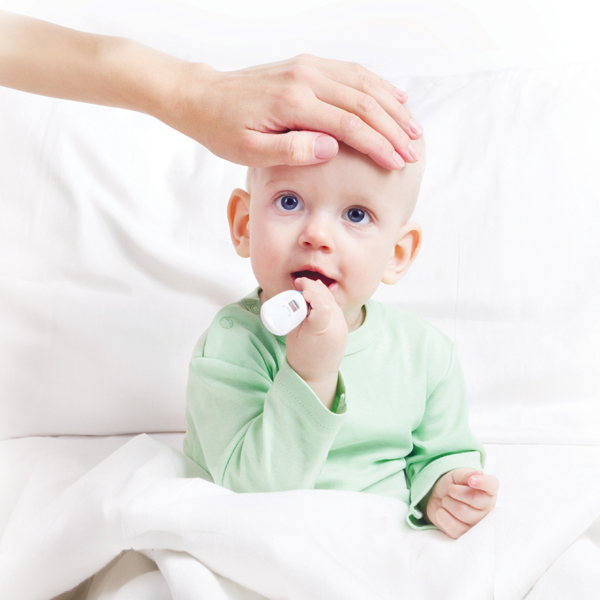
[
  {"x": 405, "y": 251},
  {"x": 238, "y": 215}
]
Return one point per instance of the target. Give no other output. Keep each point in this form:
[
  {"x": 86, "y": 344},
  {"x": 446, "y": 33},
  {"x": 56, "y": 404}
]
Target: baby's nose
[{"x": 317, "y": 235}]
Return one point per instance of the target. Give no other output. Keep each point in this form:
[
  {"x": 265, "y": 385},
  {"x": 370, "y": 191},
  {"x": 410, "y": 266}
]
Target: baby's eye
[
  {"x": 288, "y": 202},
  {"x": 357, "y": 215}
]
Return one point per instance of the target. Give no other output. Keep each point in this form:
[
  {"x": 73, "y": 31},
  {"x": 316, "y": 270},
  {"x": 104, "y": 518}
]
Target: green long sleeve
[
  {"x": 258, "y": 426},
  {"x": 399, "y": 421}
]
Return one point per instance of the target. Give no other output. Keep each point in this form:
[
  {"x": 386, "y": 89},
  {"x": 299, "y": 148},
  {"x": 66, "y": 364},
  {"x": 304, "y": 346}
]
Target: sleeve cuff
[
  {"x": 302, "y": 397},
  {"x": 429, "y": 475},
  {"x": 339, "y": 404}
]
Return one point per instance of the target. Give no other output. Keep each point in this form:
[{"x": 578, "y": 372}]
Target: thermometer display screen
[{"x": 284, "y": 312}]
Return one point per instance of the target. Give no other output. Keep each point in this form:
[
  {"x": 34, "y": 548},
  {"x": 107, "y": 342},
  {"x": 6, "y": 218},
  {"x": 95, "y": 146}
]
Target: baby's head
[{"x": 345, "y": 222}]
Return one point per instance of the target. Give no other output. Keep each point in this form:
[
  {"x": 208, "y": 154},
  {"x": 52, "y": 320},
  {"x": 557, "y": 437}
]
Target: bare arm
[
  {"x": 287, "y": 106},
  {"x": 47, "y": 59}
]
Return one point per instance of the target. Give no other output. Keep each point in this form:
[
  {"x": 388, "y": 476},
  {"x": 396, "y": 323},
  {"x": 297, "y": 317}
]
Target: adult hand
[
  {"x": 460, "y": 499},
  {"x": 272, "y": 114},
  {"x": 260, "y": 116}
]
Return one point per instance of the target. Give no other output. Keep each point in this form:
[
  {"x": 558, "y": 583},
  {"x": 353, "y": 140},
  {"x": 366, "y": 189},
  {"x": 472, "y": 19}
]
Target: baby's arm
[
  {"x": 316, "y": 348},
  {"x": 253, "y": 423},
  {"x": 442, "y": 442},
  {"x": 460, "y": 499}
]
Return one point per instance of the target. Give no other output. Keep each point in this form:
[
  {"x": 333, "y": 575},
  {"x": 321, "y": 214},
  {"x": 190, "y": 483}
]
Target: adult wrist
[
  {"x": 151, "y": 76},
  {"x": 179, "y": 96}
]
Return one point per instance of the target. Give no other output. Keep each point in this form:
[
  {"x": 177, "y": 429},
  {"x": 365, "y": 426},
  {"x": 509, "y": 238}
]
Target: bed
[{"x": 115, "y": 256}]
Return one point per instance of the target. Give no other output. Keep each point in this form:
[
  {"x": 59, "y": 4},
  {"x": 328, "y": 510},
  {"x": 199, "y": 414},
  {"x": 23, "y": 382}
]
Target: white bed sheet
[{"x": 124, "y": 517}]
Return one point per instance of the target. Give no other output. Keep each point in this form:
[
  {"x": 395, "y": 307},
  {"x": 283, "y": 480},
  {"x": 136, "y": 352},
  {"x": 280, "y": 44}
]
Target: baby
[{"x": 360, "y": 396}]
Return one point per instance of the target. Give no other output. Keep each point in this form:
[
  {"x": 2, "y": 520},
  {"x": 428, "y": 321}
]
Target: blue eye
[
  {"x": 288, "y": 202},
  {"x": 357, "y": 215}
]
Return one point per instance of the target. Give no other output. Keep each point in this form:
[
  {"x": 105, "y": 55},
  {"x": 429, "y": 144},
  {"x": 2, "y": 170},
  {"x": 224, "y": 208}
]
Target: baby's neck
[{"x": 355, "y": 319}]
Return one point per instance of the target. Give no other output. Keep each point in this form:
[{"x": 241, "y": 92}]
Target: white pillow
[
  {"x": 115, "y": 255},
  {"x": 510, "y": 206}
]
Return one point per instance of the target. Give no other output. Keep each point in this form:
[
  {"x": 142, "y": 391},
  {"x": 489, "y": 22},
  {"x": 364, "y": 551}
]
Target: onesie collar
[
  {"x": 368, "y": 332},
  {"x": 358, "y": 339},
  {"x": 251, "y": 302}
]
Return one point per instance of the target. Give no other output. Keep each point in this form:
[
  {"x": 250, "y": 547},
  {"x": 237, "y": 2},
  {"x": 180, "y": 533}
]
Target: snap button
[{"x": 226, "y": 323}]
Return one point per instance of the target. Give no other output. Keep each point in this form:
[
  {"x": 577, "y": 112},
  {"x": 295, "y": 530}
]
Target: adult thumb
[{"x": 296, "y": 148}]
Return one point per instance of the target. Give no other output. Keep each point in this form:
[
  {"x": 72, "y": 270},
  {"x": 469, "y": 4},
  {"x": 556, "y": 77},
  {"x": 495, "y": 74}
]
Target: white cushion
[
  {"x": 509, "y": 267},
  {"x": 115, "y": 255}
]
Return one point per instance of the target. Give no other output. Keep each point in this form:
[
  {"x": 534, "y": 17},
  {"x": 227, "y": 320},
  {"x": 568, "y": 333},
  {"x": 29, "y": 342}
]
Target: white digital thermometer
[{"x": 284, "y": 312}]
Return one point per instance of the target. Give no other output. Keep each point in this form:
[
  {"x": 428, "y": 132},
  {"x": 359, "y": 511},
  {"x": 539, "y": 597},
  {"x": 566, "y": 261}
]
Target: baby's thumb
[{"x": 296, "y": 148}]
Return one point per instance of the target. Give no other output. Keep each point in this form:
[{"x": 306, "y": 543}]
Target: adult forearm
[
  {"x": 290, "y": 112},
  {"x": 44, "y": 58}
]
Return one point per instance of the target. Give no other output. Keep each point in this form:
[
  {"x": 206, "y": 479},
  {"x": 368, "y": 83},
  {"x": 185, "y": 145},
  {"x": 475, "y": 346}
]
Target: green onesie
[{"x": 399, "y": 421}]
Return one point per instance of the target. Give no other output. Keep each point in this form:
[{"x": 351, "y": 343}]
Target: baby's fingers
[
  {"x": 449, "y": 524},
  {"x": 463, "y": 512},
  {"x": 320, "y": 301},
  {"x": 486, "y": 483},
  {"x": 476, "y": 498}
]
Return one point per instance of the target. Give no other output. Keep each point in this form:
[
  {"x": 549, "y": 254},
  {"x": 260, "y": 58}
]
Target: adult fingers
[
  {"x": 389, "y": 150},
  {"x": 463, "y": 512},
  {"x": 350, "y": 103},
  {"x": 450, "y": 524},
  {"x": 294, "y": 148},
  {"x": 374, "y": 107},
  {"x": 357, "y": 77}
]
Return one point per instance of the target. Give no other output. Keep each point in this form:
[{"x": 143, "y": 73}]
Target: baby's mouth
[{"x": 315, "y": 276}]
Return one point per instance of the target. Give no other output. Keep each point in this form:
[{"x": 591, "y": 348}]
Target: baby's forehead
[{"x": 350, "y": 170}]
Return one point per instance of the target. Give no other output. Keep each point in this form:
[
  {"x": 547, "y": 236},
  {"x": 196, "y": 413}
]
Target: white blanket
[{"x": 186, "y": 538}]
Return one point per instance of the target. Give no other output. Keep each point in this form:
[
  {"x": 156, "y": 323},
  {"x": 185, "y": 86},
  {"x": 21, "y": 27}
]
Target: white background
[
  {"x": 118, "y": 250},
  {"x": 438, "y": 37}
]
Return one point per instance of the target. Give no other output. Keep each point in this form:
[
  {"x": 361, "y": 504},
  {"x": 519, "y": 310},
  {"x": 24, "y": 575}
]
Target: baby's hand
[
  {"x": 460, "y": 499},
  {"x": 315, "y": 349}
]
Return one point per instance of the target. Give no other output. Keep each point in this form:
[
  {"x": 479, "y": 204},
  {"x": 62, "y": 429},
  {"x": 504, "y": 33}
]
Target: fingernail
[
  {"x": 400, "y": 95},
  {"x": 398, "y": 160},
  {"x": 415, "y": 127},
  {"x": 414, "y": 151},
  {"x": 325, "y": 147},
  {"x": 474, "y": 481}
]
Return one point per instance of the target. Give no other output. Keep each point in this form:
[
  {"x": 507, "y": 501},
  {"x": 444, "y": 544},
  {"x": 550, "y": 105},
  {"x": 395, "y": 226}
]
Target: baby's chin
[{"x": 267, "y": 292}]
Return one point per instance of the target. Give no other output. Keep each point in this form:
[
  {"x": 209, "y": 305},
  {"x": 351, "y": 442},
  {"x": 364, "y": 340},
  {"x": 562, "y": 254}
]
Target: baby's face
[{"x": 337, "y": 221}]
